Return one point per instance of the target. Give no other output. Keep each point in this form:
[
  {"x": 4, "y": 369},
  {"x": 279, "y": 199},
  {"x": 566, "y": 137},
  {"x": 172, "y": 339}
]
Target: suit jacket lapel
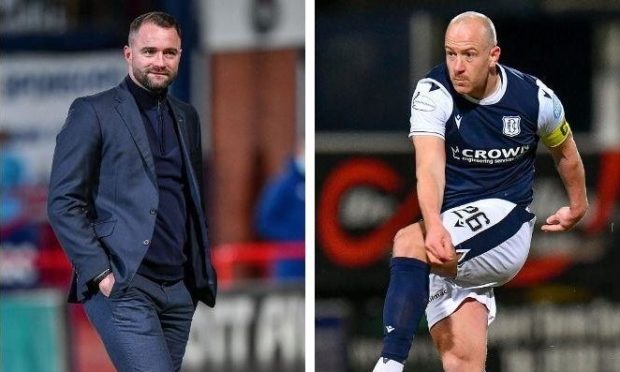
[
  {"x": 204, "y": 274},
  {"x": 128, "y": 110},
  {"x": 180, "y": 120},
  {"x": 184, "y": 141}
]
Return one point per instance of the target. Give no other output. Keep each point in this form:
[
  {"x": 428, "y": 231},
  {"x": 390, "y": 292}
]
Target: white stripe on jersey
[{"x": 430, "y": 93}]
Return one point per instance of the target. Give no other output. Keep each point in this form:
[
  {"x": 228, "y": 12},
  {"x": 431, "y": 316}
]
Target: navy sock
[{"x": 405, "y": 302}]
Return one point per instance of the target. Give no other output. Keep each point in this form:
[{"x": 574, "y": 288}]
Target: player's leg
[
  {"x": 461, "y": 307},
  {"x": 406, "y": 297},
  {"x": 461, "y": 338}
]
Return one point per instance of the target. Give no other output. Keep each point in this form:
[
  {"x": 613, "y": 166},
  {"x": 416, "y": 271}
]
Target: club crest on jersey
[{"x": 512, "y": 125}]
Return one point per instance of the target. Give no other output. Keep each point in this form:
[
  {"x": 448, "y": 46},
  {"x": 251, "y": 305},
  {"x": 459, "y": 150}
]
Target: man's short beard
[{"x": 142, "y": 78}]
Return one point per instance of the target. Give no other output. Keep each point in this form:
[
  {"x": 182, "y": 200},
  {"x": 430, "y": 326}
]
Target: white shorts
[{"x": 492, "y": 237}]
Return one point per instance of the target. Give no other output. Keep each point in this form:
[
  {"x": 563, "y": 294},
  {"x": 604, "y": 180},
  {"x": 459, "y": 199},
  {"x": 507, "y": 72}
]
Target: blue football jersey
[{"x": 490, "y": 143}]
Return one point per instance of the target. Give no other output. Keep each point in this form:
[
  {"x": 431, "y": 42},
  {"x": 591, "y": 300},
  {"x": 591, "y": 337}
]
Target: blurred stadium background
[
  {"x": 562, "y": 313},
  {"x": 243, "y": 69}
]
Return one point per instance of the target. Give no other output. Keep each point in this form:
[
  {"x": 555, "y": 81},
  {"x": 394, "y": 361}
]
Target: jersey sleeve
[
  {"x": 431, "y": 107},
  {"x": 553, "y": 128}
]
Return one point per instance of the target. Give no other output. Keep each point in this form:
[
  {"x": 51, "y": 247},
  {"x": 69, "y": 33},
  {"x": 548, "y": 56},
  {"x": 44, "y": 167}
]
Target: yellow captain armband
[{"x": 558, "y": 135}]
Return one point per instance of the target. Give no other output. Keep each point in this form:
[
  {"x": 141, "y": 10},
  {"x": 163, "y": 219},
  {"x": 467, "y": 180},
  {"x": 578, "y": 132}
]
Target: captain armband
[{"x": 558, "y": 135}]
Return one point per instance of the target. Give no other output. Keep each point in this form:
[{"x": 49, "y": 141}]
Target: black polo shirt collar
[{"x": 145, "y": 98}]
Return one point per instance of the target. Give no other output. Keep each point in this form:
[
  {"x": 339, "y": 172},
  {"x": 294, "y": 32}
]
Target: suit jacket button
[
  {"x": 153, "y": 211},
  {"x": 146, "y": 242}
]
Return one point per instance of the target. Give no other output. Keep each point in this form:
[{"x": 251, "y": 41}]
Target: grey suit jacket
[{"x": 103, "y": 193}]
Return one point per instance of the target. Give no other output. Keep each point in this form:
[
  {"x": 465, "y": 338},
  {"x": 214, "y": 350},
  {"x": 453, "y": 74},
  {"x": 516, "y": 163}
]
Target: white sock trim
[{"x": 388, "y": 365}]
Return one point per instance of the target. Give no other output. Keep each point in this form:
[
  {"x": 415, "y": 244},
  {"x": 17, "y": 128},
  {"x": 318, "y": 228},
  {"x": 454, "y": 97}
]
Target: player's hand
[
  {"x": 439, "y": 246},
  {"x": 106, "y": 284},
  {"x": 563, "y": 220}
]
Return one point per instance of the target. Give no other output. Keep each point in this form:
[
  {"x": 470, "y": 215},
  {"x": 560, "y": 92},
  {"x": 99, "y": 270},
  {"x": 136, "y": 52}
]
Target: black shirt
[{"x": 165, "y": 257}]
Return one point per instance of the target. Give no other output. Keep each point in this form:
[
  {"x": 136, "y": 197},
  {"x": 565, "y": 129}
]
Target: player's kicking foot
[{"x": 388, "y": 365}]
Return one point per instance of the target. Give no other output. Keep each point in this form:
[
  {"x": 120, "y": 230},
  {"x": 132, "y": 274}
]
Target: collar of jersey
[{"x": 495, "y": 96}]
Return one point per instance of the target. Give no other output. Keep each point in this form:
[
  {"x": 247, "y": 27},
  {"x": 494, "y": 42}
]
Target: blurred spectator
[
  {"x": 280, "y": 213},
  {"x": 11, "y": 175}
]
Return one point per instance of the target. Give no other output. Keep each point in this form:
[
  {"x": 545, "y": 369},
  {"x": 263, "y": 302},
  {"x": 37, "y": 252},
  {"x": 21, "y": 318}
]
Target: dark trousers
[{"x": 146, "y": 326}]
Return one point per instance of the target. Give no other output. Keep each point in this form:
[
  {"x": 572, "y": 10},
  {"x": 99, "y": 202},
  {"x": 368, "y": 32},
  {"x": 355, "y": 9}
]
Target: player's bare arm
[
  {"x": 570, "y": 167},
  {"x": 430, "y": 174}
]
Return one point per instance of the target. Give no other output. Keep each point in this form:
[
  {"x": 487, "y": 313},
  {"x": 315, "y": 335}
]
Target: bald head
[
  {"x": 472, "y": 54},
  {"x": 474, "y": 18}
]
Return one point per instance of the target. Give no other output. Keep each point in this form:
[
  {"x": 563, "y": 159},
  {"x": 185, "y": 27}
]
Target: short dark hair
[{"x": 160, "y": 19}]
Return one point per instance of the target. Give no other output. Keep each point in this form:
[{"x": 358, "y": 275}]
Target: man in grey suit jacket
[{"x": 126, "y": 202}]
